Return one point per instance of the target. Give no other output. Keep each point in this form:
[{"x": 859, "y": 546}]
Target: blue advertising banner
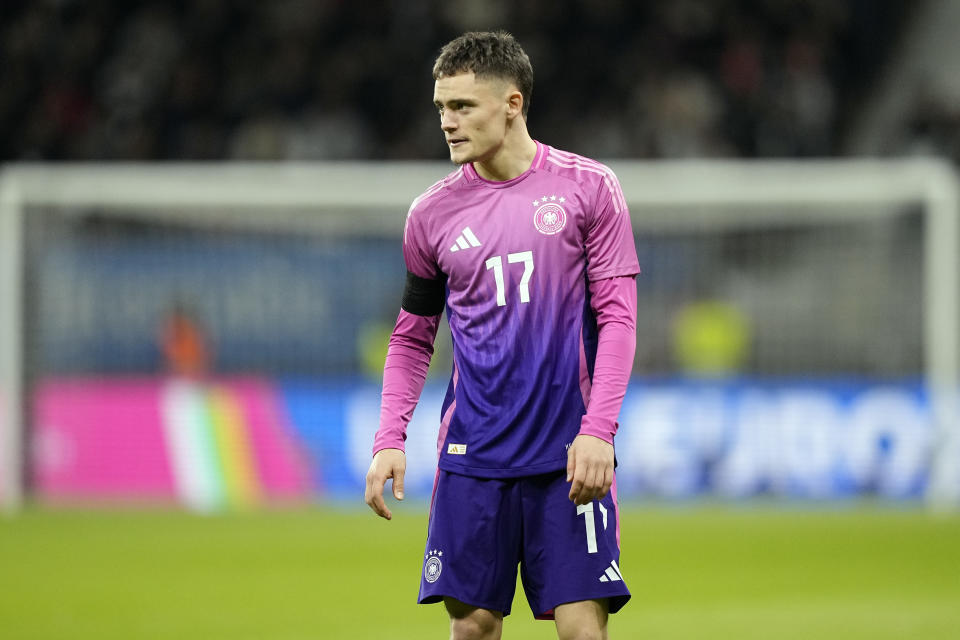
[{"x": 677, "y": 439}]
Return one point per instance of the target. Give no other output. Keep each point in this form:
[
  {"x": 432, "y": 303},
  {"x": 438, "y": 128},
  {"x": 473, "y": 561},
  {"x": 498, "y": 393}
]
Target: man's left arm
[{"x": 590, "y": 459}]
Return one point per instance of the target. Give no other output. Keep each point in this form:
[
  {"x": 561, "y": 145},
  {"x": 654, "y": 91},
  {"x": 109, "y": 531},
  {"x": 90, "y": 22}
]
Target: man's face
[{"x": 473, "y": 115}]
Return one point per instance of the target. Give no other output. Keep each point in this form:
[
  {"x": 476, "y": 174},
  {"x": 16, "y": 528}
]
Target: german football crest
[
  {"x": 550, "y": 217},
  {"x": 432, "y": 567}
]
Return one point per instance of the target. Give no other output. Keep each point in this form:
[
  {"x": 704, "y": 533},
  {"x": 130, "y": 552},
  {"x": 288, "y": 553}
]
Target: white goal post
[{"x": 337, "y": 197}]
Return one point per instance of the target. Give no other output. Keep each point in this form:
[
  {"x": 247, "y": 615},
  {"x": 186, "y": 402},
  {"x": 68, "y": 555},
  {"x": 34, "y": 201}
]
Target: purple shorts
[{"x": 481, "y": 529}]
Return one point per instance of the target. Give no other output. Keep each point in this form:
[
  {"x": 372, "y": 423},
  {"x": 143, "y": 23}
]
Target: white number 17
[
  {"x": 586, "y": 510},
  {"x": 496, "y": 263}
]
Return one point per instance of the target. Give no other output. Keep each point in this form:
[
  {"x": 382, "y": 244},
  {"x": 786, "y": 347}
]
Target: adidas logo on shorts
[{"x": 612, "y": 574}]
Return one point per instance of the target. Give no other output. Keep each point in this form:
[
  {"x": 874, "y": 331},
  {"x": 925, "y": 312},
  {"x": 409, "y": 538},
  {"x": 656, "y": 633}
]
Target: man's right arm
[{"x": 404, "y": 373}]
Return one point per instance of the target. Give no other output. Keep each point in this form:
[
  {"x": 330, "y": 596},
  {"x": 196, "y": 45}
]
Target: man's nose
[{"x": 448, "y": 122}]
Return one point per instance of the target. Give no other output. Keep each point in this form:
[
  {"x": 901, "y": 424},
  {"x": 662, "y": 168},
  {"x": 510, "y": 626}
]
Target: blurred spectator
[
  {"x": 934, "y": 128},
  {"x": 711, "y": 339},
  {"x": 184, "y": 343}
]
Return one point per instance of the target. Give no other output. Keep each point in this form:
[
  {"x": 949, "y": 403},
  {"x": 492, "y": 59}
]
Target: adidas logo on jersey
[
  {"x": 465, "y": 240},
  {"x": 612, "y": 574}
]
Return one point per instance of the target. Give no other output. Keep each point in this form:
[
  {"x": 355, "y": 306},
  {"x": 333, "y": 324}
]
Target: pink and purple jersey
[{"x": 518, "y": 257}]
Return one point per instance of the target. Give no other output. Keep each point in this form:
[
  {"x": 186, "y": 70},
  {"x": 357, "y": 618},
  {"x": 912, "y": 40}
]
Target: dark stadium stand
[{"x": 314, "y": 79}]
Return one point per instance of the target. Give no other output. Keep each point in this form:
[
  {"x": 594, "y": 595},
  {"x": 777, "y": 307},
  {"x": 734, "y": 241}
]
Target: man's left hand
[{"x": 589, "y": 468}]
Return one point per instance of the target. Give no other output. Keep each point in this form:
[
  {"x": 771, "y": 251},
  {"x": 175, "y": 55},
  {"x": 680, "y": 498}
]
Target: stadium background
[{"x": 777, "y": 437}]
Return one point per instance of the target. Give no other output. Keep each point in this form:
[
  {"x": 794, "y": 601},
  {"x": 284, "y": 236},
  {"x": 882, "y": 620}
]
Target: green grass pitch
[{"x": 718, "y": 571}]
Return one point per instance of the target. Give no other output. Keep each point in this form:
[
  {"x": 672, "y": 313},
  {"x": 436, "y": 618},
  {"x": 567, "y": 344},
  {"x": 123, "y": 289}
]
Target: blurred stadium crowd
[{"x": 331, "y": 79}]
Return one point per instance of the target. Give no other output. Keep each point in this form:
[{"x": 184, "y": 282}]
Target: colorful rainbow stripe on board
[
  {"x": 209, "y": 444},
  {"x": 223, "y": 445}
]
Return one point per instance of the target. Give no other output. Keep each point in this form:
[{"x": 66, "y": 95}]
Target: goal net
[{"x": 213, "y": 334}]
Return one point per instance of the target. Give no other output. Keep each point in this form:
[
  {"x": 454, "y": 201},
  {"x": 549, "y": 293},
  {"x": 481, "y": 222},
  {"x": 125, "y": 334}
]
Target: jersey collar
[{"x": 537, "y": 163}]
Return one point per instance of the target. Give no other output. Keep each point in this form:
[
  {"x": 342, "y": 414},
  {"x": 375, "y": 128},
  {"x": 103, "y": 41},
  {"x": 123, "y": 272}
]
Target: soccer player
[{"x": 530, "y": 251}]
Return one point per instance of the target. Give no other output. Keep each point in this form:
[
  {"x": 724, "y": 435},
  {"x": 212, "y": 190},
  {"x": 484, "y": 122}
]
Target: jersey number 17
[{"x": 496, "y": 263}]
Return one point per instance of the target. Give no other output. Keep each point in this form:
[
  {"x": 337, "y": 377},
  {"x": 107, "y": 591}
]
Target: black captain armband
[{"x": 423, "y": 297}]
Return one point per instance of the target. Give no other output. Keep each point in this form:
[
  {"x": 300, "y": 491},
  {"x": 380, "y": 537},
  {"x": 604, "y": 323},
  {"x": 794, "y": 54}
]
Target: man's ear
[{"x": 514, "y": 104}]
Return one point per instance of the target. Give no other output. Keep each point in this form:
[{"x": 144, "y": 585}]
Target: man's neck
[{"x": 510, "y": 161}]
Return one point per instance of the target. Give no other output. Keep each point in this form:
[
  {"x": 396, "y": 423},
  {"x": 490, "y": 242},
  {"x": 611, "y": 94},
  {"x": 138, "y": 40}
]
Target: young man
[{"x": 531, "y": 252}]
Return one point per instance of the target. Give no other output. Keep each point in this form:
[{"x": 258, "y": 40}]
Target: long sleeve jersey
[{"x": 532, "y": 271}]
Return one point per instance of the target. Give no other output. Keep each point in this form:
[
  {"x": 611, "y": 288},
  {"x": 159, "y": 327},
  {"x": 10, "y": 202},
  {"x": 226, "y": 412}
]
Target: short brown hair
[{"x": 488, "y": 53}]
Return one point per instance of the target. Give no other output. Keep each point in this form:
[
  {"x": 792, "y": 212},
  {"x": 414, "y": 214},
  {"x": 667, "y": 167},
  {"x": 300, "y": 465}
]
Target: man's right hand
[{"x": 388, "y": 463}]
